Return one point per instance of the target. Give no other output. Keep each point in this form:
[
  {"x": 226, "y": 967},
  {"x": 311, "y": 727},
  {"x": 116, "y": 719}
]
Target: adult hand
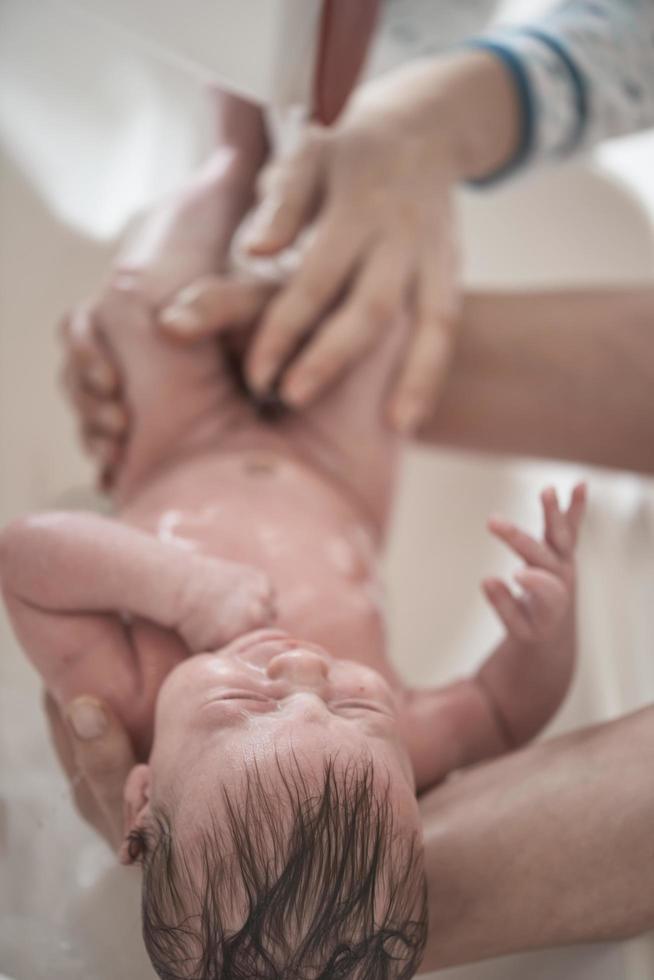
[
  {"x": 369, "y": 202},
  {"x": 97, "y": 756},
  {"x": 382, "y": 240}
]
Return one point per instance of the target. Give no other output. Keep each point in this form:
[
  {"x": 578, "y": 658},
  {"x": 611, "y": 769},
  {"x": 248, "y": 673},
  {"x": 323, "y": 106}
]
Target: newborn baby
[{"x": 274, "y": 811}]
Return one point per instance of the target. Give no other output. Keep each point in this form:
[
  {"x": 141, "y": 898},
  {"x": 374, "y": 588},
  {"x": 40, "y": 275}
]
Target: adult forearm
[
  {"x": 565, "y": 375},
  {"x": 550, "y": 846}
]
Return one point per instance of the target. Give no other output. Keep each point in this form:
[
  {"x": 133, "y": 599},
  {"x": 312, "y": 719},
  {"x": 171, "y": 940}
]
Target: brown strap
[{"x": 346, "y": 30}]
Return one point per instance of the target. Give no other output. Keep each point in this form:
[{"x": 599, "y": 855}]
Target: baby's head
[{"x": 276, "y": 821}]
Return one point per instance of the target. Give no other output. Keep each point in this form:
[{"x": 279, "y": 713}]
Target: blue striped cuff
[
  {"x": 577, "y": 80},
  {"x": 514, "y": 65}
]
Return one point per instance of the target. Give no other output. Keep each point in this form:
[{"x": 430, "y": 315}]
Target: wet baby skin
[{"x": 226, "y": 523}]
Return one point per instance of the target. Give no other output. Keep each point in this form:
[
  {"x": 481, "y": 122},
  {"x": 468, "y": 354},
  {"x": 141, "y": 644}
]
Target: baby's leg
[
  {"x": 178, "y": 399},
  {"x": 183, "y": 397},
  {"x": 346, "y": 430}
]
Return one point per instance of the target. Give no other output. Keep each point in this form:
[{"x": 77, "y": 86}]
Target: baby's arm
[
  {"x": 520, "y": 686},
  {"x": 82, "y": 563},
  {"x": 528, "y": 674}
]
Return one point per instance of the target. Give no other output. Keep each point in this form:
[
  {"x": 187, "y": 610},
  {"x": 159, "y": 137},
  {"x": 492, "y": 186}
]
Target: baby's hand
[
  {"x": 222, "y": 600},
  {"x": 547, "y": 583}
]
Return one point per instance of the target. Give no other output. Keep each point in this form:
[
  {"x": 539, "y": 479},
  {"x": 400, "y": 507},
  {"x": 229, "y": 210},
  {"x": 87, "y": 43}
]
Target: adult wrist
[
  {"x": 460, "y": 110},
  {"x": 480, "y": 108}
]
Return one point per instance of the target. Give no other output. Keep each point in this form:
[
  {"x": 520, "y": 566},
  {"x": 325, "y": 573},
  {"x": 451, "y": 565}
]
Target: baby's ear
[{"x": 136, "y": 806}]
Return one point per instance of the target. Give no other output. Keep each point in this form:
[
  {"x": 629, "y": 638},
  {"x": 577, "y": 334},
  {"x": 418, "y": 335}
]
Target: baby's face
[
  {"x": 263, "y": 696},
  {"x": 278, "y": 810}
]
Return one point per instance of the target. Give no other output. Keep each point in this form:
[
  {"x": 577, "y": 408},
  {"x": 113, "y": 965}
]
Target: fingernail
[
  {"x": 180, "y": 319},
  {"x": 87, "y": 718}
]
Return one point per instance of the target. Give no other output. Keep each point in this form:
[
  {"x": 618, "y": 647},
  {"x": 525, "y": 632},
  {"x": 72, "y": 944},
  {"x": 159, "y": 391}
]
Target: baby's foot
[
  {"x": 221, "y": 601},
  {"x": 547, "y": 582}
]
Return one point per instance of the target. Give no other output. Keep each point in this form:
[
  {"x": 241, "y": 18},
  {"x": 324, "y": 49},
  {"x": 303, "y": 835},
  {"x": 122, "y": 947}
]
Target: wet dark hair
[{"x": 330, "y": 888}]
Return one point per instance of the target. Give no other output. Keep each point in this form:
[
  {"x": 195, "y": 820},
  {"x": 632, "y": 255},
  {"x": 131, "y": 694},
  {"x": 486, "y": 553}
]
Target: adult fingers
[
  {"x": 374, "y": 302},
  {"x": 103, "y": 756},
  {"x": 212, "y": 304},
  {"x": 289, "y": 188},
  {"x": 430, "y": 351},
  {"x": 62, "y": 740},
  {"x": 325, "y": 267}
]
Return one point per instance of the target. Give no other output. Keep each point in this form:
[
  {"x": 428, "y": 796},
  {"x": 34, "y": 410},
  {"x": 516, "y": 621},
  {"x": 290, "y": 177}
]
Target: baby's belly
[{"x": 275, "y": 514}]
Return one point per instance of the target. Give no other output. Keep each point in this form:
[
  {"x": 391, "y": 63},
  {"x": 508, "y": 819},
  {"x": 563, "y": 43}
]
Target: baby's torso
[
  {"x": 264, "y": 509},
  {"x": 260, "y": 508},
  {"x": 303, "y": 497}
]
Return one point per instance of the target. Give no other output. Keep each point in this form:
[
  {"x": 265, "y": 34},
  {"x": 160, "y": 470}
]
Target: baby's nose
[{"x": 299, "y": 666}]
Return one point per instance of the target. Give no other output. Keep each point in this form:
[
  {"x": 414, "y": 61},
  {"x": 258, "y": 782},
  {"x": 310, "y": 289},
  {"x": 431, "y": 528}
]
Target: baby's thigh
[
  {"x": 176, "y": 396},
  {"x": 349, "y": 419}
]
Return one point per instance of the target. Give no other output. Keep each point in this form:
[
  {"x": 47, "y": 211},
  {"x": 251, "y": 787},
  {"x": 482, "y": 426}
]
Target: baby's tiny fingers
[
  {"x": 534, "y": 552},
  {"x": 249, "y": 606},
  {"x": 576, "y": 509},
  {"x": 508, "y": 608},
  {"x": 557, "y": 532},
  {"x": 546, "y": 599}
]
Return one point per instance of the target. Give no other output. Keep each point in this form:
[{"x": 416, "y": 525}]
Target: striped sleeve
[{"x": 583, "y": 73}]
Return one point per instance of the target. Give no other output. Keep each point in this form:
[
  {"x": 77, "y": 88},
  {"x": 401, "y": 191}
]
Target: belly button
[{"x": 261, "y": 464}]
